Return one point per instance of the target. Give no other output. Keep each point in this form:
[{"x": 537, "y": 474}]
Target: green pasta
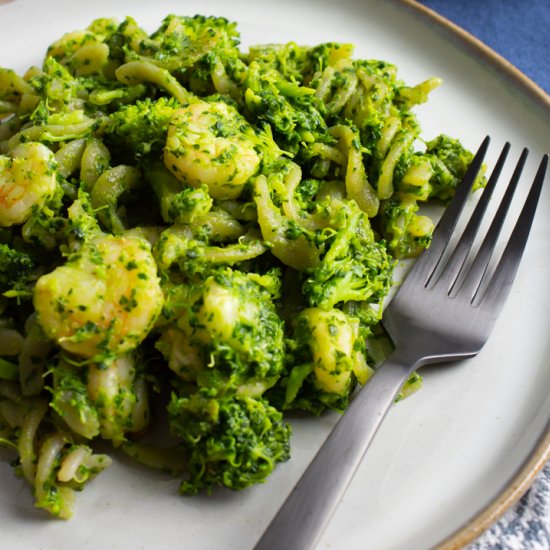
[{"x": 190, "y": 226}]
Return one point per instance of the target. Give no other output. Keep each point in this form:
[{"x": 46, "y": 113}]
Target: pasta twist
[{"x": 50, "y": 460}]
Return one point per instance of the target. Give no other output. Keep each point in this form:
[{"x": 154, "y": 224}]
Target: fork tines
[
  {"x": 508, "y": 265},
  {"x": 476, "y": 281}
]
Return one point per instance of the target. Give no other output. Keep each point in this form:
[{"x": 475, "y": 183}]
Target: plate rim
[
  {"x": 525, "y": 474},
  {"x": 486, "y": 54}
]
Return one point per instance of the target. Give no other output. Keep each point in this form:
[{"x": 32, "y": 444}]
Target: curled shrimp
[
  {"x": 212, "y": 144},
  {"x": 104, "y": 300},
  {"x": 119, "y": 397},
  {"x": 332, "y": 342},
  {"x": 27, "y": 180}
]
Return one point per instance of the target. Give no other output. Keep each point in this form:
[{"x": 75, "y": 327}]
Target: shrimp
[
  {"x": 212, "y": 144},
  {"x": 119, "y": 397},
  {"x": 104, "y": 300},
  {"x": 28, "y": 179},
  {"x": 332, "y": 343}
]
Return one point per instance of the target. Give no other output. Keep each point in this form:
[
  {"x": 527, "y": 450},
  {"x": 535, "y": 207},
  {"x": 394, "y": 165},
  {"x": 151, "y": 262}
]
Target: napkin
[{"x": 519, "y": 31}]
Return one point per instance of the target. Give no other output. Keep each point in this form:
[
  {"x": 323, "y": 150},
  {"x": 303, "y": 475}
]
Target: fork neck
[{"x": 405, "y": 358}]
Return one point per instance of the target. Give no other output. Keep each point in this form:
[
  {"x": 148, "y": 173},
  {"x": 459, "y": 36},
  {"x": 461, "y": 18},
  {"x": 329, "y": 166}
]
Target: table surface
[{"x": 519, "y": 31}]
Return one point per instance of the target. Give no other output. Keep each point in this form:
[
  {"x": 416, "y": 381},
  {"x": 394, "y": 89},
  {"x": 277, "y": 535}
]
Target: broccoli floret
[
  {"x": 201, "y": 51},
  {"x": 293, "y": 62},
  {"x": 140, "y": 128},
  {"x": 449, "y": 160},
  {"x": 230, "y": 441},
  {"x": 190, "y": 204},
  {"x": 15, "y": 268},
  {"x": 182, "y": 41},
  {"x": 355, "y": 266},
  {"x": 292, "y": 110}
]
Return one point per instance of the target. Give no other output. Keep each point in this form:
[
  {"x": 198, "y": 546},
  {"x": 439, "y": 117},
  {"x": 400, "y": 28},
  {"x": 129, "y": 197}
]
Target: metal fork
[{"x": 444, "y": 311}]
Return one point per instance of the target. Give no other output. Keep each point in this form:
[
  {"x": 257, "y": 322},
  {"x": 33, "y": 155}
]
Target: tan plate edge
[{"x": 516, "y": 487}]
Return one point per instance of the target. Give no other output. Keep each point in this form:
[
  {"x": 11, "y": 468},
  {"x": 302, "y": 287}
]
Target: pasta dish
[{"x": 201, "y": 235}]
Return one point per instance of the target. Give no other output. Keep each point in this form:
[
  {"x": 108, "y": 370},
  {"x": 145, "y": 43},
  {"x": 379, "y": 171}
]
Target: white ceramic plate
[{"x": 466, "y": 441}]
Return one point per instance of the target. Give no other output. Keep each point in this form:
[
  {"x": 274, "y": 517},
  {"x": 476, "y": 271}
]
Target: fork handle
[{"x": 306, "y": 512}]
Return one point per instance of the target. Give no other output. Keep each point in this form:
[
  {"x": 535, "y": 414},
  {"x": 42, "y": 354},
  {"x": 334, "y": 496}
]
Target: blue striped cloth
[
  {"x": 526, "y": 526},
  {"x": 519, "y": 30}
]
